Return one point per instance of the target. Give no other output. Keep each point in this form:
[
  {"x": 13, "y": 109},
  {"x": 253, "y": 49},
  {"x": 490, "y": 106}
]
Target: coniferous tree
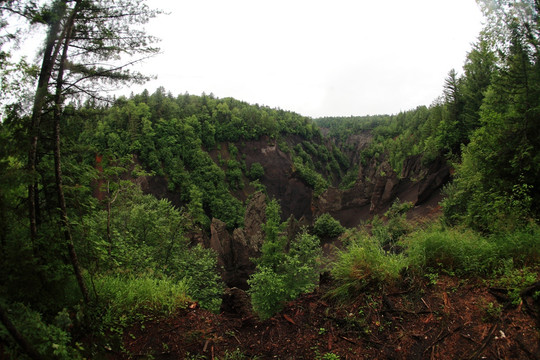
[
  {"x": 500, "y": 168},
  {"x": 85, "y": 39}
]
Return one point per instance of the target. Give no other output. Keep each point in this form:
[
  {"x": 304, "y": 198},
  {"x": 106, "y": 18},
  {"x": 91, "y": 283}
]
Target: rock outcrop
[
  {"x": 378, "y": 186},
  {"x": 279, "y": 178},
  {"x": 236, "y": 250}
]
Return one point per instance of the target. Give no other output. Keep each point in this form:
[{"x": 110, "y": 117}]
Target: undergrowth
[
  {"x": 363, "y": 263},
  {"x": 123, "y": 297},
  {"x": 509, "y": 260},
  {"x": 465, "y": 252},
  {"x": 50, "y": 340}
]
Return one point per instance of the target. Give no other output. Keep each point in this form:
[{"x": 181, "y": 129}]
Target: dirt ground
[{"x": 451, "y": 318}]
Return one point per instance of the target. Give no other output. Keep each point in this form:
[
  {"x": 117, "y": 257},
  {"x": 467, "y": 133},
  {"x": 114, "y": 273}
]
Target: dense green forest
[{"x": 87, "y": 249}]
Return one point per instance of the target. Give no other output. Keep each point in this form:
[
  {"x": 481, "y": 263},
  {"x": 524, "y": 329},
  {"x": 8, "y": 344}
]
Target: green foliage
[
  {"x": 234, "y": 175},
  {"x": 496, "y": 180},
  {"x": 388, "y": 234},
  {"x": 281, "y": 276},
  {"x": 198, "y": 268},
  {"x": 146, "y": 237},
  {"x": 256, "y": 171},
  {"x": 268, "y": 291},
  {"x": 297, "y": 273},
  {"x": 327, "y": 356},
  {"x": 492, "y": 312},
  {"x": 125, "y": 296},
  {"x": 326, "y": 226},
  {"x": 465, "y": 252},
  {"x": 362, "y": 264},
  {"x": 515, "y": 279},
  {"x": 349, "y": 179},
  {"x": 302, "y": 264},
  {"x": 310, "y": 176},
  {"x": 522, "y": 245},
  {"x": 273, "y": 248},
  {"x": 51, "y": 341},
  {"x": 234, "y": 355}
]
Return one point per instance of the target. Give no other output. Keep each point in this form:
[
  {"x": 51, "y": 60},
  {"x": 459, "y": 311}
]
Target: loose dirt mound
[{"x": 452, "y": 319}]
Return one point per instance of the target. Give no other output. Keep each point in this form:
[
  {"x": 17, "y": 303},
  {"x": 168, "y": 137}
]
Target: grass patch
[
  {"x": 465, "y": 252},
  {"x": 363, "y": 263},
  {"x": 123, "y": 296},
  {"x": 510, "y": 260},
  {"x": 452, "y": 250}
]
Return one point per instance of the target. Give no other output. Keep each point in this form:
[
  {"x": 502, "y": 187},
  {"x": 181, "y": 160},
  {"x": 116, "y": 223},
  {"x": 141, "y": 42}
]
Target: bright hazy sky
[{"x": 317, "y": 58}]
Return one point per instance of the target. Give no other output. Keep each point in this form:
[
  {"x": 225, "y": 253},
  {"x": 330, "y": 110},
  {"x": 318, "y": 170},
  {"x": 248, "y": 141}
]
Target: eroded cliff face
[
  {"x": 377, "y": 186},
  {"x": 279, "y": 178},
  {"x": 236, "y": 249}
]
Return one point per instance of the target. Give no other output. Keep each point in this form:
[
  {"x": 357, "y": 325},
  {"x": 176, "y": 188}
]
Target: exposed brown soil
[{"x": 453, "y": 319}]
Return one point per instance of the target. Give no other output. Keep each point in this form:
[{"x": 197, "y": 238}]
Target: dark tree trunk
[
  {"x": 58, "y": 163},
  {"x": 52, "y": 48}
]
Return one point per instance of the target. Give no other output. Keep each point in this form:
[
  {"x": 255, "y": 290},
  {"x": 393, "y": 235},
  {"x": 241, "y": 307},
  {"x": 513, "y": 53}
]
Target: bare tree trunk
[
  {"x": 52, "y": 48},
  {"x": 19, "y": 339},
  {"x": 109, "y": 237},
  {"x": 58, "y": 164}
]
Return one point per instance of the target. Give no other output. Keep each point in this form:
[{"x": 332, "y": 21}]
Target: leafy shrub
[
  {"x": 281, "y": 276},
  {"x": 197, "y": 267},
  {"x": 256, "y": 171},
  {"x": 326, "y": 226},
  {"x": 123, "y": 300},
  {"x": 468, "y": 252},
  {"x": 234, "y": 355},
  {"x": 298, "y": 273},
  {"x": 521, "y": 245},
  {"x": 363, "y": 263},
  {"x": 302, "y": 264},
  {"x": 268, "y": 291},
  {"x": 348, "y": 181},
  {"x": 50, "y": 341},
  {"x": 515, "y": 279},
  {"x": 396, "y": 227},
  {"x": 310, "y": 176},
  {"x": 234, "y": 178},
  {"x": 146, "y": 237}
]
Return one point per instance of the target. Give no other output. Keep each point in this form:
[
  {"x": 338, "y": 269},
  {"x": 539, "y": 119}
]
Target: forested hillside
[{"x": 160, "y": 225}]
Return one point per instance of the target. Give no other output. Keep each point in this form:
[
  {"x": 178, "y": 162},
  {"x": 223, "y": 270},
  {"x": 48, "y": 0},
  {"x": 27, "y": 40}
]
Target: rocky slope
[{"x": 376, "y": 187}]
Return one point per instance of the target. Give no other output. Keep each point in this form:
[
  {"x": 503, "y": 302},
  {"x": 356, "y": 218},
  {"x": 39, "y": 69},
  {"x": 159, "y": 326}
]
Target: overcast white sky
[{"x": 317, "y": 58}]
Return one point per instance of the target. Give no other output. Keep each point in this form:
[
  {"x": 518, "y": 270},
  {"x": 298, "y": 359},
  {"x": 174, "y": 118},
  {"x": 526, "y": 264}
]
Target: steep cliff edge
[{"x": 377, "y": 186}]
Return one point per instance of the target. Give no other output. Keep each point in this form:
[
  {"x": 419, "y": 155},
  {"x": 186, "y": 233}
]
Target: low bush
[
  {"x": 326, "y": 226},
  {"x": 256, "y": 171},
  {"x": 363, "y": 263},
  {"x": 282, "y": 275},
  {"x": 522, "y": 245},
  {"x": 268, "y": 291},
  {"x": 281, "y": 279},
  {"x": 396, "y": 227},
  {"x": 459, "y": 251},
  {"x": 467, "y": 252}
]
